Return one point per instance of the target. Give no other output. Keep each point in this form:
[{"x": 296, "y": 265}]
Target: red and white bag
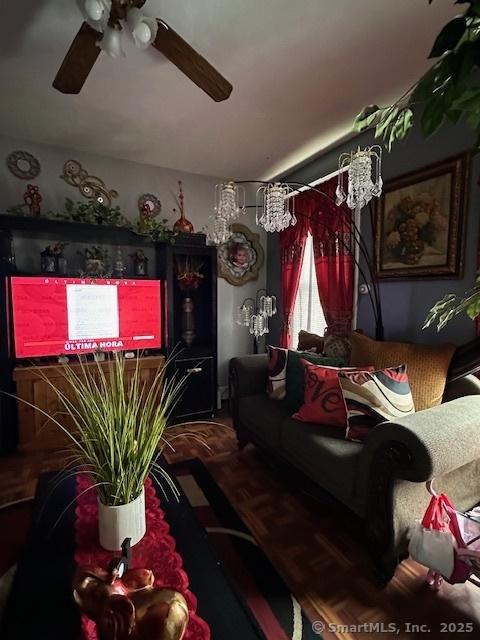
[
  {"x": 431, "y": 541},
  {"x": 435, "y": 540}
]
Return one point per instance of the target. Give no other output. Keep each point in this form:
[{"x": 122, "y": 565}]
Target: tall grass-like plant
[{"x": 119, "y": 422}]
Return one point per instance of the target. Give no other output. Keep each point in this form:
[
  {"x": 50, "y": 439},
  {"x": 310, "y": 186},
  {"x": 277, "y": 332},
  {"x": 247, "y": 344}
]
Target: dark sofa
[{"x": 382, "y": 480}]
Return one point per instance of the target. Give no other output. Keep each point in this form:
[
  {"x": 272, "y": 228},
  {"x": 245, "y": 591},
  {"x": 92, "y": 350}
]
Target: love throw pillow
[
  {"x": 372, "y": 397},
  {"x": 323, "y": 400}
]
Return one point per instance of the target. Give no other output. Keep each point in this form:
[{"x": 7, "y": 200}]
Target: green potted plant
[{"x": 118, "y": 432}]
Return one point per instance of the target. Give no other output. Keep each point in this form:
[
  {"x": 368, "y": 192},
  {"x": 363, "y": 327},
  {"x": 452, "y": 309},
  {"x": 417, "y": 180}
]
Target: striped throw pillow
[{"x": 375, "y": 397}]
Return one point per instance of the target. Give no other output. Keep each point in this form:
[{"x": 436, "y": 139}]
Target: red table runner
[{"x": 156, "y": 551}]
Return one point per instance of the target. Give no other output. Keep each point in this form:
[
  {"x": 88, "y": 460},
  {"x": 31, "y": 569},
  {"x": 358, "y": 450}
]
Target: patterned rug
[{"x": 253, "y": 577}]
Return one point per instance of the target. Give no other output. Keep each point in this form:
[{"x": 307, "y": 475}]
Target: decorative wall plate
[
  {"x": 23, "y": 165},
  {"x": 149, "y": 205},
  {"x": 90, "y": 187},
  {"x": 241, "y": 258}
]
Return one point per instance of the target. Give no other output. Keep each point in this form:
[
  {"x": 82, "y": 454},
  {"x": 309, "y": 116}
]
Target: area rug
[{"x": 252, "y": 575}]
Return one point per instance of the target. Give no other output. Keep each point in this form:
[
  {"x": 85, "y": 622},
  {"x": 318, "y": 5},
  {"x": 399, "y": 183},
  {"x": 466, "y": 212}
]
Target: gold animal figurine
[{"x": 130, "y": 607}]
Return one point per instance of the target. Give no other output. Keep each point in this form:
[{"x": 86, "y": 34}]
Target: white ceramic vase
[{"x": 125, "y": 521}]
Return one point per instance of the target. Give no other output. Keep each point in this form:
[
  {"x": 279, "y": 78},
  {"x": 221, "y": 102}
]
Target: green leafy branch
[
  {"x": 447, "y": 91},
  {"x": 451, "y": 305}
]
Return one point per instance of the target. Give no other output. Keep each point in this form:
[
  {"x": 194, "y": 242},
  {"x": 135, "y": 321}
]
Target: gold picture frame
[
  {"x": 241, "y": 257},
  {"x": 421, "y": 222}
]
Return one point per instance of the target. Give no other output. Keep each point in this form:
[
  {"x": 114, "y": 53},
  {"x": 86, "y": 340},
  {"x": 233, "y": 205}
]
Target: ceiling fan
[{"x": 108, "y": 17}]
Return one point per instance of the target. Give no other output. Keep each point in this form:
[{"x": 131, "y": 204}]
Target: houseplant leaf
[
  {"x": 449, "y": 36},
  {"x": 432, "y": 116}
]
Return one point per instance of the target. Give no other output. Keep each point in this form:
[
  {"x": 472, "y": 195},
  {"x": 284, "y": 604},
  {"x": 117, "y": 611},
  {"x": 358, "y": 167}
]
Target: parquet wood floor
[{"x": 320, "y": 558}]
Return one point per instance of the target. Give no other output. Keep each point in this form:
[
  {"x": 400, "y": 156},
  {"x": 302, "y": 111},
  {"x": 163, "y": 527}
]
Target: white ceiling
[{"x": 301, "y": 70}]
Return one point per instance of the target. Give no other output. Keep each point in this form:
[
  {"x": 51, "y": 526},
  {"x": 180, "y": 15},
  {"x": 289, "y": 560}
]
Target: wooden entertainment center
[
  {"x": 21, "y": 240},
  {"x": 38, "y": 432}
]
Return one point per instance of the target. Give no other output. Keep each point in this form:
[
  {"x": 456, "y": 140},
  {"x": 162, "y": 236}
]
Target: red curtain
[
  {"x": 332, "y": 242},
  {"x": 334, "y": 264},
  {"x": 292, "y": 246}
]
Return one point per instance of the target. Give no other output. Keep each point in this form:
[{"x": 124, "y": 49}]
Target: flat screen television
[{"x": 55, "y": 315}]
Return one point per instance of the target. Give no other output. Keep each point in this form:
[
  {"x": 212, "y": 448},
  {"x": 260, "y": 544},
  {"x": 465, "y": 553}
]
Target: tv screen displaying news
[{"x": 54, "y": 316}]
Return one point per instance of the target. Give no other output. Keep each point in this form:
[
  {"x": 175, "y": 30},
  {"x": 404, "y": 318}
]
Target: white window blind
[{"x": 308, "y": 312}]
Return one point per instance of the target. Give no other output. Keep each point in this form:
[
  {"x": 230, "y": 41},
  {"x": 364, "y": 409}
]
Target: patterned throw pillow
[
  {"x": 323, "y": 400},
  {"x": 372, "y": 397},
  {"x": 296, "y": 375},
  {"x": 277, "y": 373}
]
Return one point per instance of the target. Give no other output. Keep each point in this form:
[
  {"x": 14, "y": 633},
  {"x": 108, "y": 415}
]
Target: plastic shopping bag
[
  {"x": 461, "y": 568},
  {"x": 431, "y": 541}
]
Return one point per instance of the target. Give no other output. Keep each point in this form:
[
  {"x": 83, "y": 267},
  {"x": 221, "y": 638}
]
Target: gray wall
[
  {"x": 405, "y": 304},
  {"x": 131, "y": 180}
]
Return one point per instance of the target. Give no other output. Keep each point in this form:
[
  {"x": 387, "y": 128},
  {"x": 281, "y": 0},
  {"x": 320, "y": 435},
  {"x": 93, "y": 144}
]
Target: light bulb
[
  {"x": 143, "y": 33},
  {"x": 94, "y": 9},
  {"x": 143, "y": 28},
  {"x": 111, "y": 43}
]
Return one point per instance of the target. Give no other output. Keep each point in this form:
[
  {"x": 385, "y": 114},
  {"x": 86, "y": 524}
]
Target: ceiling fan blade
[
  {"x": 191, "y": 63},
  {"x": 79, "y": 61}
]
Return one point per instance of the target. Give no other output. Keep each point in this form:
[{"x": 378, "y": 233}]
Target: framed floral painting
[
  {"x": 241, "y": 258},
  {"x": 420, "y": 222}
]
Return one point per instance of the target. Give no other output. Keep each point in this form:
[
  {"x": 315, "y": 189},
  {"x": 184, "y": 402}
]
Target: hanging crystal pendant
[
  {"x": 363, "y": 169},
  {"x": 275, "y": 207},
  {"x": 268, "y": 305},
  {"x": 259, "y": 325},
  {"x": 219, "y": 231},
  {"x": 229, "y": 200},
  {"x": 244, "y": 315}
]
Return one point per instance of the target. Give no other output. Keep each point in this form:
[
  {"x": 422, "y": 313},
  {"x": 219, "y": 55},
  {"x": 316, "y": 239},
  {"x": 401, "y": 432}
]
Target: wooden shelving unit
[{"x": 200, "y": 394}]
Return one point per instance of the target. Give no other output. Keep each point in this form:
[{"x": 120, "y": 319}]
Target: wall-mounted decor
[
  {"x": 241, "y": 258},
  {"x": 33, "y": 199},
  {"x": 90, "y": 187},
  {"x": 149, "y": 205},
  {"x": 421, "y": 222},
  {"x": 23, "y": 165},
  {"x": 182, "y": 225}
]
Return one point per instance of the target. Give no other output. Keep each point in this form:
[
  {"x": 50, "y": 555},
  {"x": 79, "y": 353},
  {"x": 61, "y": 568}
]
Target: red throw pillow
[{"x": 324, "y": 402}]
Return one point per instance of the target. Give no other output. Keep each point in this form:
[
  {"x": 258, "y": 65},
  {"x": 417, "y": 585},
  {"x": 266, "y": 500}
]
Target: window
[{"x": 308, "y": 312}]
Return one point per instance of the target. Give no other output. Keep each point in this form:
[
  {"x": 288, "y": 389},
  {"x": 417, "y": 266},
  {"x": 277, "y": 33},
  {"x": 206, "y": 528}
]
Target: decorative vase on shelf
[
  {"x": 189, "y": 279},
  {"x": 120, "y": 522},
  {"x": 140, "y": 263},
  {"x": 48, "y": 264},
  {"x": 188, "y": 320},
  {"x": 182, "y": 225}
]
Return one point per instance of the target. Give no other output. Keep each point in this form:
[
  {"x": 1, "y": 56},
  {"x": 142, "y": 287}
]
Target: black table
[{"x": 40, "y": 606}]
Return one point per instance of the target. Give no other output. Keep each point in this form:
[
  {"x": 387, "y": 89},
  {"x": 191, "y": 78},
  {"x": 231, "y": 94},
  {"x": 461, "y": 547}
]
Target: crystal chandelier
[
  {"x": 275, "y": 207},
  {"x": 229, "y": 200},
  {"x": 257, "y": 322},
  {"x": 363, "y": 168},
  {"x": 219, "y": 231}
]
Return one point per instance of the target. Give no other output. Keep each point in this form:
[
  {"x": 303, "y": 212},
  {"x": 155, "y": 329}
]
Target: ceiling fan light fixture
[
  {"x": 111, "y": 43},
  {"x": 143, "y": 29},
  {"x": 97, "y": 13}
]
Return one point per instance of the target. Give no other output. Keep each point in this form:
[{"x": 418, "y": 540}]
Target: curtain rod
[{"x": 321, "y": 180}]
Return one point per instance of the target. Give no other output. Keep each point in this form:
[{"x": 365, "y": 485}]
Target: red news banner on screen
[{"x": 53, "y": 316}]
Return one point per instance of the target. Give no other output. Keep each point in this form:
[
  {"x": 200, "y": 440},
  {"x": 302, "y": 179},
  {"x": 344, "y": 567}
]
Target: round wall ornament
[
  {"x": 149, "y": 205},
  {"x": 23, "y": 165}
]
